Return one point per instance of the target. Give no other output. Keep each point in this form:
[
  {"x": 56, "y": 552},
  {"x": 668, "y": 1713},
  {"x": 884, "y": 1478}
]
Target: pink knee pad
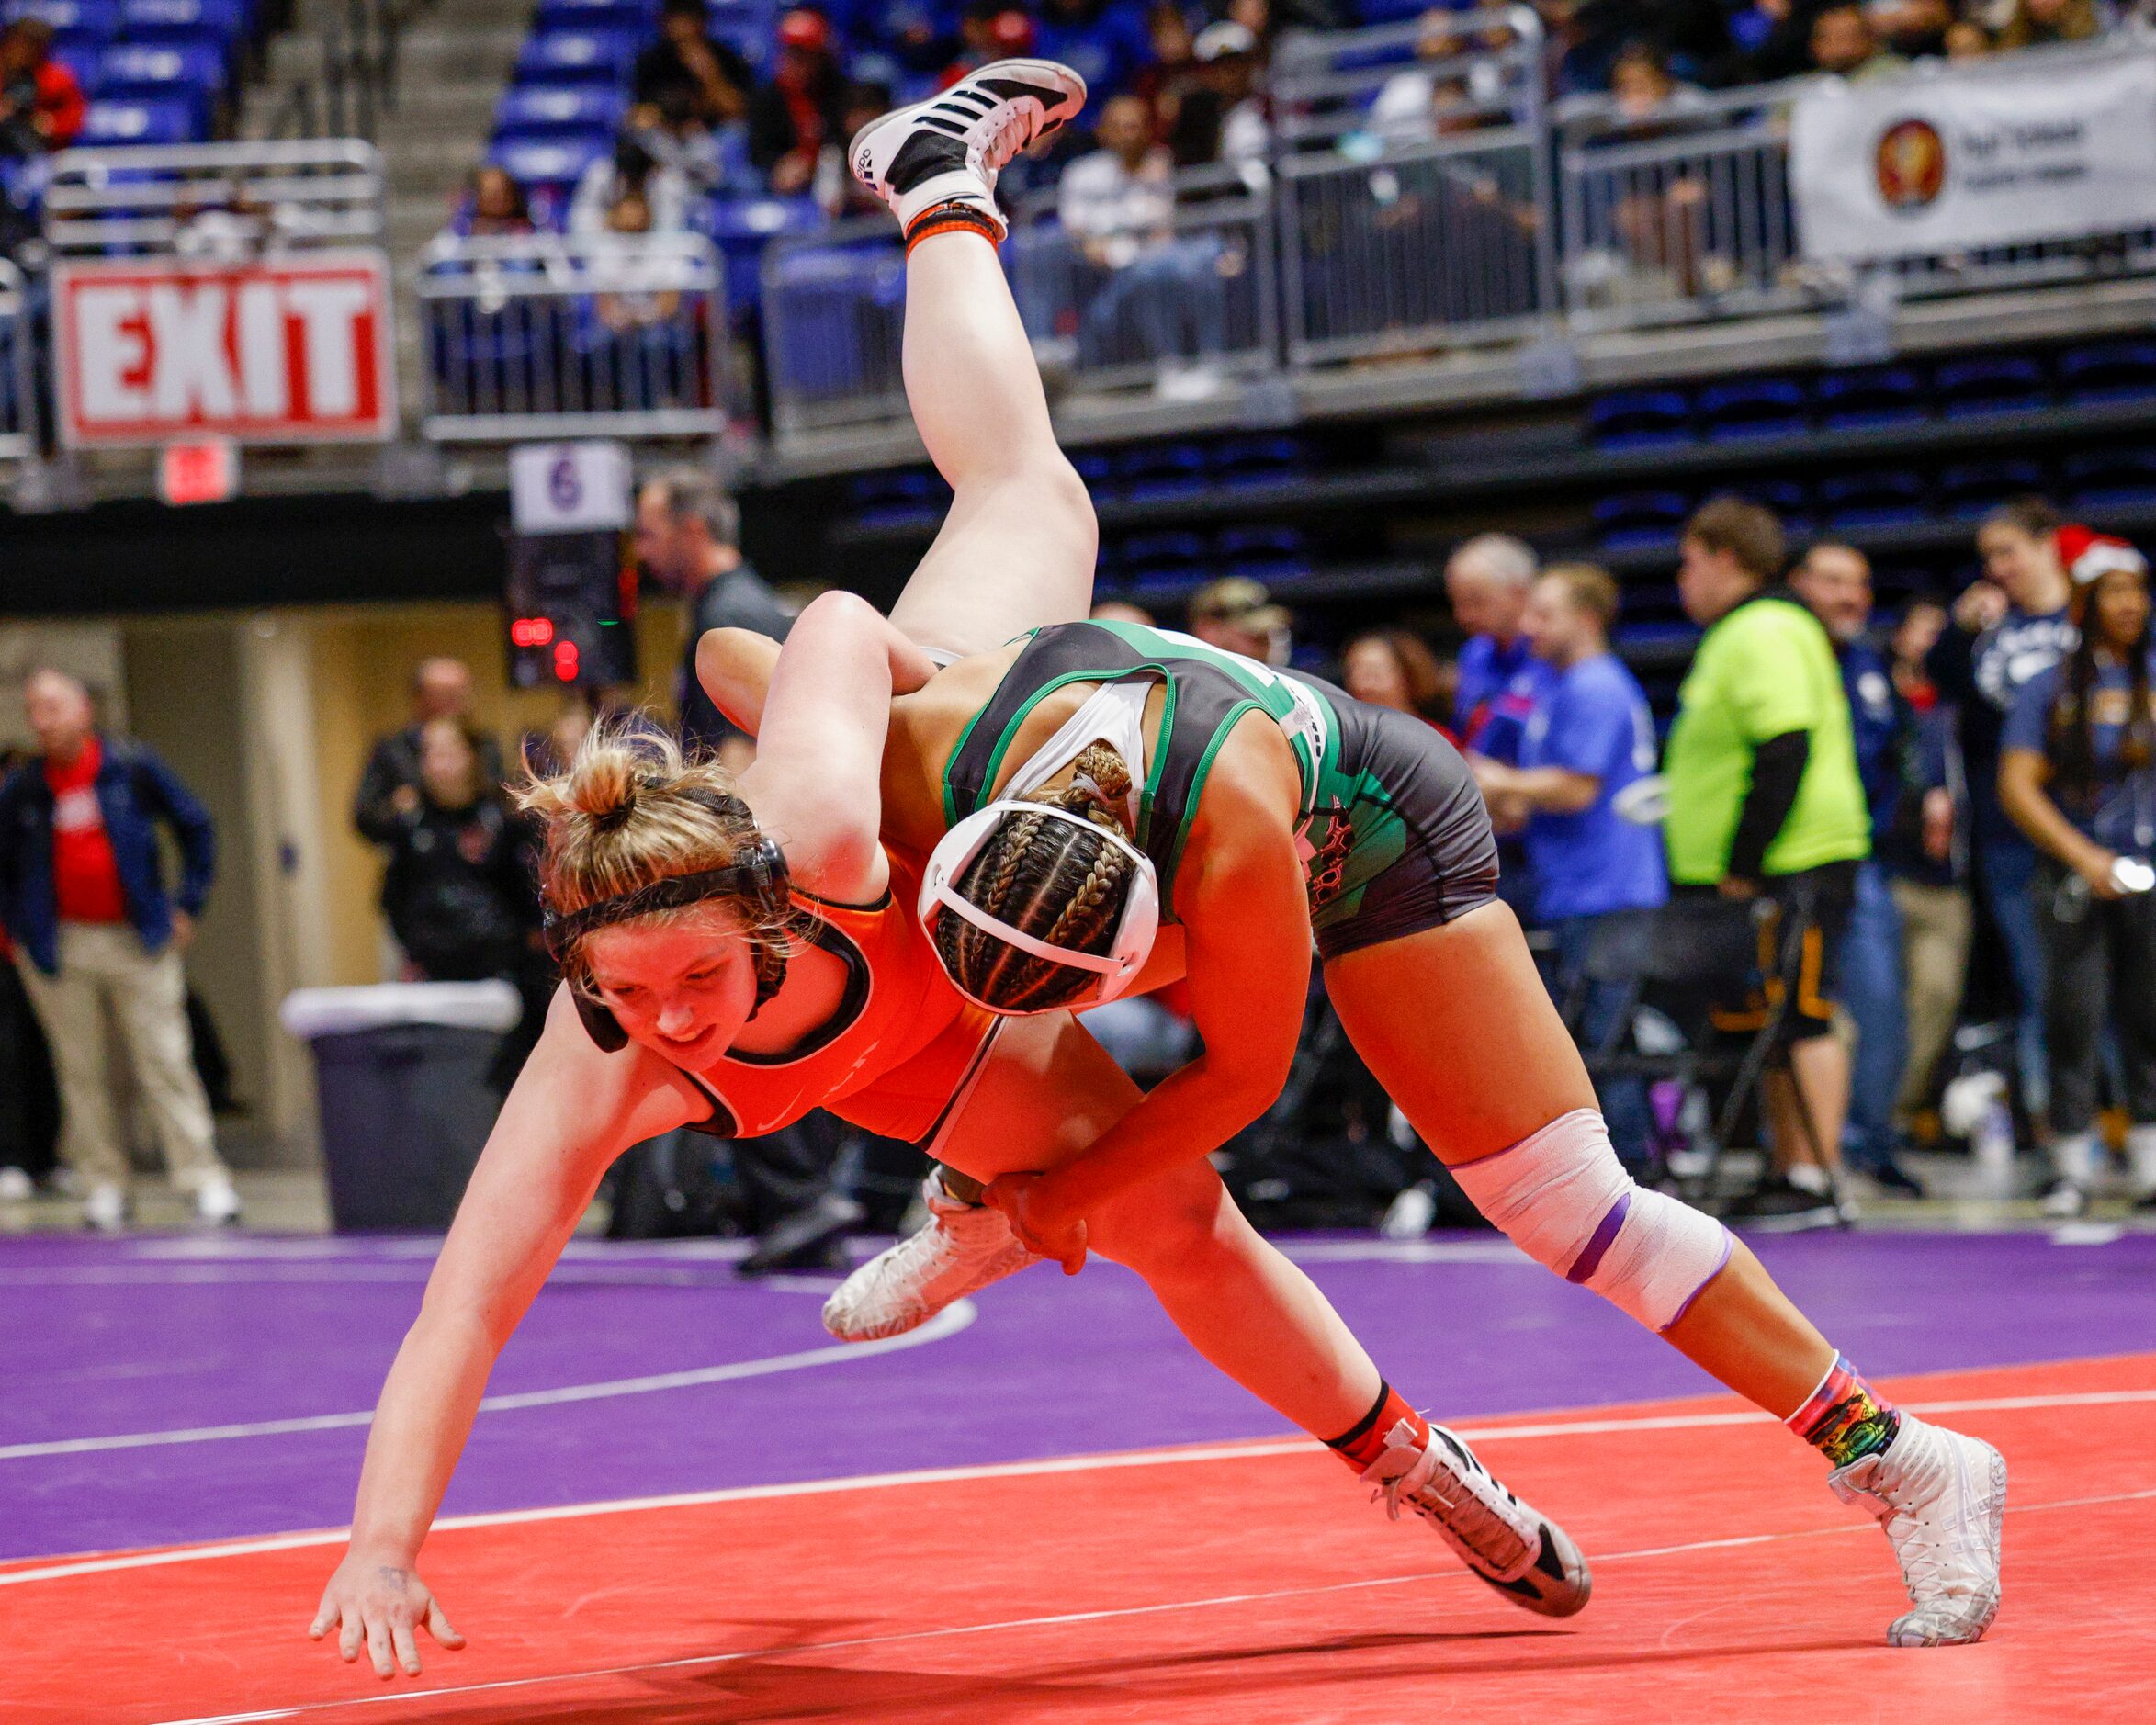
[{"x": 1566, "y": 1200}]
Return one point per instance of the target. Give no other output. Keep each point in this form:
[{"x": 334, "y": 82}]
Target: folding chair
[{"x": 1684, "y": 959}]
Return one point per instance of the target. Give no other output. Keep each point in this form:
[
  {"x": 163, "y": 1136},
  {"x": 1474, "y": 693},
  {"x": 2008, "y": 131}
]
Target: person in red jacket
[{"x": 41, "y": 104}]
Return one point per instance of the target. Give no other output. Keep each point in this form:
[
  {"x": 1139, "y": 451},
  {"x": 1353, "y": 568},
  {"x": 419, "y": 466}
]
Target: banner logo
[{"x": 1910, "y": 164}]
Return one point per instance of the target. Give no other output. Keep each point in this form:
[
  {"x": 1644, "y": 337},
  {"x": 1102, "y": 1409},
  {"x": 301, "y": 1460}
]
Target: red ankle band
[
  {"x": 953, "y": 218},
  {"x": 1362, "y": 1444}
]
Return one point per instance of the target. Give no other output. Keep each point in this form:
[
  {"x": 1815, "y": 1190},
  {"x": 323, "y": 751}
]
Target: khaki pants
[
  {"x": 1934, "y": 961},
  {"x": 107, "y": 980}
]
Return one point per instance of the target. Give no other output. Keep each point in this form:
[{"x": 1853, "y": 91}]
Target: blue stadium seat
[
  {"x": 1966, "y": 490},
  {"x": 1263, "y": 553},
  {"x": 1881, "y": 395},
  {"x": 2117, "y": 371},
  {"x": 81, "y": 21},
  {"x": 1753, "y": 407},
  {"x": 559, "y": 112},
  {"x": 139, "y": 123},
  {"x": 184, "y": 22},
  {"x": 1990, "y": 384},
  {"x": 1871, "y": 497},
  {"x": 1642, "y": 521},
  {"x": 1632, "y": 419},
  {"x": 577, "y": 57},
  {"x": 1790, "y": 500},
  {"x": 2111, "y": 479},
  {"x": 143, "y": 73},
  {"x": 556, "y": 166},
  {"x": 903, "y": 497},
  {"x": 1258, "y": 460},
  {"x": 1162, "y": 469},
  {"x": 635, "y": 16},
  {"x": 1094, "y": 467},
  {"x": 1164, "y": 565}
]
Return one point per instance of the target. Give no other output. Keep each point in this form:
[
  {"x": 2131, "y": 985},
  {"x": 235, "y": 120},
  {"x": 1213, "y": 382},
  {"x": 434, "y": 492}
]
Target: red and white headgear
[{"x": 2088, "y": 555}]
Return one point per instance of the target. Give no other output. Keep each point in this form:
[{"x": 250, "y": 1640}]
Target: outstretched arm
[
  {"x": 817, "y": 781},
  {"x": 1247, "y": 920},
  {"x": 571, "y": 1112}
]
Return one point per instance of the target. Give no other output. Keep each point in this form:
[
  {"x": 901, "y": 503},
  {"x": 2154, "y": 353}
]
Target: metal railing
[
  {"x": 547, "y": 336},
  {"x": 1682, "y": 212},
  {"x": 18, "y": 406},
  {"x": 834, "y": 306},
  {"x": 1414, "y": 164},
  {"x": 222, "y": 201},
  {"x": 1195, "y": 295},
  {"x": 354, "y": 86}
]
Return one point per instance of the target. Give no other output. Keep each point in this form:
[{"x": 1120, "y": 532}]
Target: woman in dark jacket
[{"x": 459, "y": 895}]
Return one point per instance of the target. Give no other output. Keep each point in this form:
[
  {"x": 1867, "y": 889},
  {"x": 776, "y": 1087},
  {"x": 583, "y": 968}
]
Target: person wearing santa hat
[{"x": 2077, "y": 773}]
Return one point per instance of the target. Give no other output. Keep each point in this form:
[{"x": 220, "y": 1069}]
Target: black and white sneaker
[
  {"x": 949, "y": 149},
  {"x": 1523, "y": 1554}
]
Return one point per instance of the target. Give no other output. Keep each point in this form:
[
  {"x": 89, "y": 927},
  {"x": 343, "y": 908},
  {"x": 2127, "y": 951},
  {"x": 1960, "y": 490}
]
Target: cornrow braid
[{"x": 1049, "y": 879}]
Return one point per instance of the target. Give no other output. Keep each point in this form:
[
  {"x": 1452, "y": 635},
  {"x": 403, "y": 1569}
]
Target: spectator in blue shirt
[
  {"x": 2077, "y": 773},
  {"x": 2010, "y": 627},
  {"x": 1589, "y": 741},
  {"x": 1835, "y": 583},
  {"x": 1501, "y": 681}
]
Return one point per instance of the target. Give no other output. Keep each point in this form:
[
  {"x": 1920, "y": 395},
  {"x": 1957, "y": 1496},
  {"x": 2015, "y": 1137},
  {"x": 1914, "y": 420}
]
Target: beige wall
[
  {"x": 362, "y": 669},
  {"x": 269, "y": 717}
]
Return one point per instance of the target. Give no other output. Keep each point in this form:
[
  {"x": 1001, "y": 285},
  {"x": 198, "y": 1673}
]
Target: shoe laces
[
  {"x": 1410, "y": 1474},
  {"x": 1925, "y": 1529},
  {"x": 1019, "y": 118}
]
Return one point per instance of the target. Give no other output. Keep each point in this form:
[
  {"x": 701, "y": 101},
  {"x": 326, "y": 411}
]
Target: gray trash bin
[{"x": 400, "y": 1077}]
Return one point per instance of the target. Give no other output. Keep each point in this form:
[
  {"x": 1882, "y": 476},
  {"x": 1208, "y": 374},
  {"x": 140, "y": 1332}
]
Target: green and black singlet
[{"x": 1394, "y": 834}]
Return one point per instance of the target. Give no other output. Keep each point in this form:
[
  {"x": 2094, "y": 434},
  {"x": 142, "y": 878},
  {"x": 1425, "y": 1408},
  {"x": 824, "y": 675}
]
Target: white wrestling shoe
[
  {"x": 217, "y": 1202},
  {"x": 949, "y": 149},
  {"x": 1525, "y": 1556},
  {"x": 1940, "y": 1497},
  {"x": 962, "y": 1249}
]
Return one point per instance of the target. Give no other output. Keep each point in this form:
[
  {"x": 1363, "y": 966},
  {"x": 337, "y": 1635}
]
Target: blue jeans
[
  {"x": 2006, "y": 874},
  {"x": 1171, "y": 287},
  {"x": 1624, "y": 1100},
  {"x": 1871, "y": 993}
]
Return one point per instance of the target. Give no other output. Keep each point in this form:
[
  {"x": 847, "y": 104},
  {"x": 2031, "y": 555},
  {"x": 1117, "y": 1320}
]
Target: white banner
[
  {"x": 290, "y": 350},
  {"x": 2007, "y": 153}
]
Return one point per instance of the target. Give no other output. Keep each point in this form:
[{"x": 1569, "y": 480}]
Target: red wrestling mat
[{"x": 1241, "y": 1585}]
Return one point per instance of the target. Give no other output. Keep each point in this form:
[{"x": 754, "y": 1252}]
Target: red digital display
[
  {"x": 532, "y": 631},
  {"x": 565, "y": 661}
]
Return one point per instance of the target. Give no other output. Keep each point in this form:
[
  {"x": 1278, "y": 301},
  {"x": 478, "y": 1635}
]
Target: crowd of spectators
[
  {"x": 1899, "y": 822},
  {"x": 1903, "y": 820}
]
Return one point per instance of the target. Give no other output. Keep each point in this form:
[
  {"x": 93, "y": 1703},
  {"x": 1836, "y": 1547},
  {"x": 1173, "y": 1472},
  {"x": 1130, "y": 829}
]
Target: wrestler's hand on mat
[
  {"x": 1039, "y": 1225},
  {"x": 379, "y": 1600}
]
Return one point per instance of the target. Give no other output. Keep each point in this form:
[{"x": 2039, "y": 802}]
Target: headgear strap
[{"x": 757, "y": 874}]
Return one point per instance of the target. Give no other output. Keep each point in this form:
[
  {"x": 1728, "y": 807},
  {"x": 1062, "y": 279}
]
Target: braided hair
[
  {"x": 1048, "y": 878},
  {"x": 2071, "y": 737}
]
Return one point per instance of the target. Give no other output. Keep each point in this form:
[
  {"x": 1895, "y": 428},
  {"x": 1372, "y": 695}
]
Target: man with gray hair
[
  {"x": 83, "y": 895},
  {"x": 1501, "y": 681},
  {"x": 688, "y": 533}
]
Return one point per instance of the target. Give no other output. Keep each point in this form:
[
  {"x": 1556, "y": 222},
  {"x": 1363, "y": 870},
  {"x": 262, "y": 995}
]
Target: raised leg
[{"x": 1018, "y": 548}]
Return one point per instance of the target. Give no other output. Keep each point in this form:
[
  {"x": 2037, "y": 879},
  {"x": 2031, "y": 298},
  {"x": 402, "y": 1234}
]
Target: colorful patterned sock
[
  {"x": 1846, "y": 1419},
  {"x": 1365, "y": 1441}
]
